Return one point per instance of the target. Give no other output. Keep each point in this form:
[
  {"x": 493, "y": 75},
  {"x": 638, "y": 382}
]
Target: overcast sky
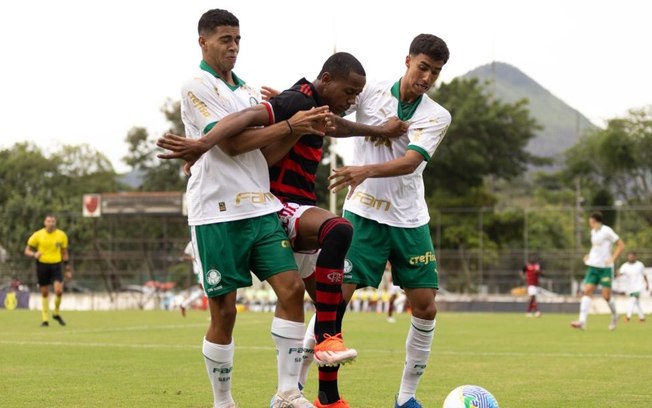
[{"x": 86, "y": 72}]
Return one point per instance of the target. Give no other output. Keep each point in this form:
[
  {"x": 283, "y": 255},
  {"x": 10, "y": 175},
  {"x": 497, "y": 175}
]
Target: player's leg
[
  {"x": 272, "y": 260},
  {"x": 608, "y": 297},
  {"x": 414, "y": 268},
  {"x": 44, "y": 279},
  {"x": 590, "y": 282},
  {"x": 630, "y": 307},
  {"x": 639, "y": 309},
  {"x": 196, "y": 294},
  {"x": 224, "y": 268},
  {"x": 322, "y": 229},
  {"x": 390, "y": 308},
  {"x": 57, "y": 285}
]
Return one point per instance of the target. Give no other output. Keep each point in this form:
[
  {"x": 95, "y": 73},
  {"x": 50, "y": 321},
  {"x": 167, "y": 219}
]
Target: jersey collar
[
  {"x": 405, "y": 110},
  {"x": 238, "y": 82}
]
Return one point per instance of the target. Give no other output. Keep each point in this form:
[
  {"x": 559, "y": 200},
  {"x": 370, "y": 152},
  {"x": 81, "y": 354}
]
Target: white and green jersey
[
  {"x": 223, "y": 188},
  {"x": 395, "y": 201},
  {"x": 635, "y": 273},
  {"x": 602, "y": 241}
]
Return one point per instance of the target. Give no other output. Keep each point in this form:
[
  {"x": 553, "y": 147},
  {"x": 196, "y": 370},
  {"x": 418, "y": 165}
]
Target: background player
[
  {"x": 600, "y": 263},
  {"x": 531, "y": 273},
  {"x": 49, "y": 247},
  {"x": 634, "y": 271}
]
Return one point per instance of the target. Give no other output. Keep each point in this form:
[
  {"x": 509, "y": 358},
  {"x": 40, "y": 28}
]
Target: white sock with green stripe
[
  {"x": 417, "y": 351},
  {"x": 612, "y": 307}
]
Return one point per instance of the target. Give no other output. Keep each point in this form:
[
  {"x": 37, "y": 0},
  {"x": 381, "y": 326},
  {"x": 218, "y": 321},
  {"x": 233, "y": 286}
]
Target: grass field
[{"x": 153, "y": 359}]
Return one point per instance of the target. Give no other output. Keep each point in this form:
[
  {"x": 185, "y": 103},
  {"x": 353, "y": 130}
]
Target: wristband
[
  {"x": 65, "y": 263},
  {"x": 290, "y": 126}
]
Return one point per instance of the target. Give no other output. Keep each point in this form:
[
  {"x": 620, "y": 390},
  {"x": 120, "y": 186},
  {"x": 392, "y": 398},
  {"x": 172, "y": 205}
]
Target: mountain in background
[{"x": 562, "y": 125}]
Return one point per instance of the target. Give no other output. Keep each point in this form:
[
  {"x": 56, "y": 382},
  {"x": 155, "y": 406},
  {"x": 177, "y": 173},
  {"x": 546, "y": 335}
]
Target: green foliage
[{"x": 485, "y": 139}]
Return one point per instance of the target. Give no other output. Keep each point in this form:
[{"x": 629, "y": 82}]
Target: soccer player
[
  {"x": 599, "y": 261},
  {"x": 386, "y": 203},
  {"x": 634, "y": 271},
  {"x": 319, "y": 238},
  {"x": 198, "y": 292},
  {"x": 232, "y": 214},
  {"x": 531, "y": 272},
  {"x": 49, "y": 247}
]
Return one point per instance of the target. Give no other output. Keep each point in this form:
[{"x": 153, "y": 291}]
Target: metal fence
[{"x": 485, "y": 257}]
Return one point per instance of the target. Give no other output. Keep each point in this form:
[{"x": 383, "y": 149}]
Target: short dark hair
[
  {"x": 430, "y": 45},
  {"x": 214, "y": 18},
  {"x": 340, "y": 65},
  {"x": 596, "y": 215}
]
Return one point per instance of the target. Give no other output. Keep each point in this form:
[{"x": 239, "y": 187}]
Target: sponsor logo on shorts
[
  {"x": 213, "y": 277},
  {"x": 424, "y": 259},
  {"x": 371, "y": 201},
  {"x": 199, "y": 104},
  {"x": 254, "y": 197}
]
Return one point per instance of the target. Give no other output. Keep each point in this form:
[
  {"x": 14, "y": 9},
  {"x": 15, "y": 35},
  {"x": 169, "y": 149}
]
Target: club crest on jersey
[
  {"x": 213, "y": 277},
  {"x": 348, "y": 266}
]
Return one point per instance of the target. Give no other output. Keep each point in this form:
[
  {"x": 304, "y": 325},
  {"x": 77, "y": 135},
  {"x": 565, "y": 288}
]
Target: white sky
[{"x": 78, "y": 71}]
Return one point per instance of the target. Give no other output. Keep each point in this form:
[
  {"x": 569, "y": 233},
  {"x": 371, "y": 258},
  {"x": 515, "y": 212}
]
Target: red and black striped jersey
[{"x": 293, "y": 177}]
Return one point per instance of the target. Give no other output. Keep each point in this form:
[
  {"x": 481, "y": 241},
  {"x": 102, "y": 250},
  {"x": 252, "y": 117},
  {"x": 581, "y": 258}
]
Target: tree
[
  {"x": 486, "y": 138},
  {"x": 158, "y": 175}
]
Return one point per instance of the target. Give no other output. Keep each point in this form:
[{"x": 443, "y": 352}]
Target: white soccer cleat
[
  {"x": 391, "y": 320},
  {"x": 290, "y": 399},
  {"x": 332, "y": 351},
  {"x": 578, "y": 325},
  {"x": 614, "y": 323}
]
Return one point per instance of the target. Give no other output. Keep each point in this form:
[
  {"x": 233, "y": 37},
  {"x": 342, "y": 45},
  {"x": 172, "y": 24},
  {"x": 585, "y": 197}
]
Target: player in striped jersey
[{"x": 320, "y": 239}]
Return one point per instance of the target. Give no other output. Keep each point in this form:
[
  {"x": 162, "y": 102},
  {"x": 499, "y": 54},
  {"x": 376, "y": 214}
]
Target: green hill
[{"x": 562, "y": 125}]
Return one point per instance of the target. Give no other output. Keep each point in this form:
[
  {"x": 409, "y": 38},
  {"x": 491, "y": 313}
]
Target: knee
[
  {"x": 336, "y": 231},
  {"x": 427, "y": 311}
]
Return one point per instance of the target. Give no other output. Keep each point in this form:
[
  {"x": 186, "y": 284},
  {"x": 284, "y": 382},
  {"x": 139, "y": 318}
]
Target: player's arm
[
  {"x": 393, "y": 127},
  {"x": 353, "y": 176},
  {"x": 191, "y": 149},
  {"x": 620, "y": 247},
  {"x": 31, "y": 252},
  {"x": 284, "y": 133}
]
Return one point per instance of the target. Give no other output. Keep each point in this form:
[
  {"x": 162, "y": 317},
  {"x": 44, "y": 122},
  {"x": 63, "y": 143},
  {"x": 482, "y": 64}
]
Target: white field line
[{"x": 377, "y": 351}]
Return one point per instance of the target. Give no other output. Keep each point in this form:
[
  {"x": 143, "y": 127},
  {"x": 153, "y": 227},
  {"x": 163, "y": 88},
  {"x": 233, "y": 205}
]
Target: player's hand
[
  {"x": 37, "y": 255},
  {"x": 67, "y": 272},
  {"x": 268, "y": 92},
  {"x": 394, "y": 127},
  {"x": 351, "y": 176},
  {"x": 314, "y": 121},
  {"x": 181, "y": 147}
]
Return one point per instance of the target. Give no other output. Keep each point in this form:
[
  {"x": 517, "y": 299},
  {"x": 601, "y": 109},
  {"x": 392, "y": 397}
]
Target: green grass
[{"x": 153, "y": 359}]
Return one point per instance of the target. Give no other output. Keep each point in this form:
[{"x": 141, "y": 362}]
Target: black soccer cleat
[
  {"x": 45, "y": 324},
  {"x": 59, "y": 319}
]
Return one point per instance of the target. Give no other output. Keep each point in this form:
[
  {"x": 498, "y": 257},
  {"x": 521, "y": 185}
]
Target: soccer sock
[
  {"x": 328, "y": 391},
  {"x": 288, "y": 338},
  {"x": 417, "y": 351},
  {"x": 630, "y": 307},
  {"x": 639, "y": 309},
  {"x": 334, "y": 238},
  {"x": 219, "y": 365},
  {"x": 612, "y": 307},
  {"x": 57, "y": 303},
  {"x": 45, "y": 308},
  {"x": 585, "y": 304},
  {"x": 309, "y": 342},
  {"x": 535, "y": 306}
]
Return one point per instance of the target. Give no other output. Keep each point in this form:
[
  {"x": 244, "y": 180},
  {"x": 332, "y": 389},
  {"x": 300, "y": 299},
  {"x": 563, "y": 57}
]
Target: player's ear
[
  {"x": 326, "y": 77},
  {"x": 407, "y": 61}
]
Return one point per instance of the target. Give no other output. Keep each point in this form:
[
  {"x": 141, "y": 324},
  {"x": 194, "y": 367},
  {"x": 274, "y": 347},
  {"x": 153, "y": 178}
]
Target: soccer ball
[{"x": 470, "y": 396}]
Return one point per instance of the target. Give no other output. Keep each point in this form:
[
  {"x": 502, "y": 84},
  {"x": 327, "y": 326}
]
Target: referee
[{"x": 49, "y": 247}]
